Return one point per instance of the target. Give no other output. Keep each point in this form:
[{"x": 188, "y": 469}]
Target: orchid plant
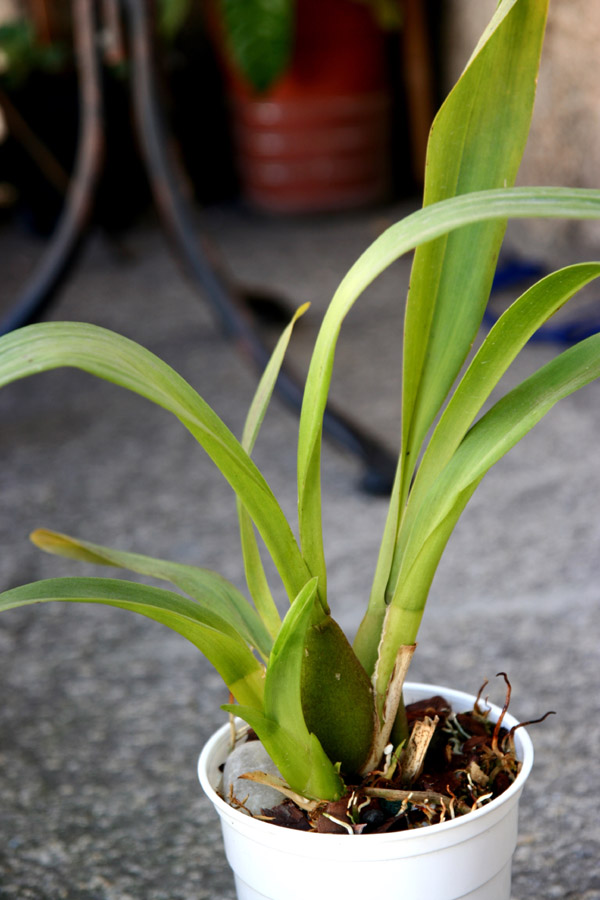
[{"x": 324, "y": 709}]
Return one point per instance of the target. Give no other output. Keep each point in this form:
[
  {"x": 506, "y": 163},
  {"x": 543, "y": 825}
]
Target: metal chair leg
[{"x": 60, "y": 255}]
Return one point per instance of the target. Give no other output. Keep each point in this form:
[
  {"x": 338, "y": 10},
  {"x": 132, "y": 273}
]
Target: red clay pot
[{"x": 319, "y": 139}]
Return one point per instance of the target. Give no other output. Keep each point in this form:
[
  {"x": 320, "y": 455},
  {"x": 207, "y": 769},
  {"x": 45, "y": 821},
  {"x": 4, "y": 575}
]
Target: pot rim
[{"x": 524, "y": 749}]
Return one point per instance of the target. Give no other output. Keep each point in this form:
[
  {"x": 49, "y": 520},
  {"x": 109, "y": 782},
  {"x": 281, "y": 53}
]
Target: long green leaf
[
  {"x": 103, "y": 353},
  {"x": 507, "y": 337},
  {"x": 255, "y": 574},
  {"x": 403, "y": 617},
  {"x": 283, "y": 698},
  {"x": 476, "y": 143},
  {"x": 225, "y": 650},
  {"x": 515, "y": 414},
  {"x": 502, "y": 344},
  {"x": 211, "y": 590},
  {"x": 266, "y": 385},
  {"x": 422, "y": 226},
  {"x": 490, "y": 438}
]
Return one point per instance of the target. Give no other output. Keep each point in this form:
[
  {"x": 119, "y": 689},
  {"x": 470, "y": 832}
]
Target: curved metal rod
[
  {"x": 70, "y": 230},
  {"x": 224, "y": 297}
]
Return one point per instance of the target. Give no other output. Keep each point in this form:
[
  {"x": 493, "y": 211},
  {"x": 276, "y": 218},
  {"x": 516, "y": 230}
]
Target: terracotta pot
[
  {"x": 468, "y": 857},
  {"x": 319, "y": 139}
]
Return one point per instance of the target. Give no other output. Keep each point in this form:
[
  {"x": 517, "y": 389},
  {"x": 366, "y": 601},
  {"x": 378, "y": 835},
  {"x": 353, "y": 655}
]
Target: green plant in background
[
  {"x": 171, "y": 16},
  {"x": 21, "y": 53},
  {"x": 322, "y": 708},
  {"x": 260, "y": 33}
]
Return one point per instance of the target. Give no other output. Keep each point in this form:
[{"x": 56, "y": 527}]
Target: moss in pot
[{"x": 327, "y": 711}]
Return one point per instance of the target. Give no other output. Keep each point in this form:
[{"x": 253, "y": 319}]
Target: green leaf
[
  {"x": 283, "y": 698},
  {"x": 477, "y": 141},
  {"x": 259, "y": 34},
  {"x": 487, "y": 441},
  {"x": 171, "y": 16},
  {"x": 103, "y": 353},
  {"x": 504, "y": 341},
  {"x": 213, "y": 636},
  {"x": 266, "y": 385},
  {"x": 310, "y": 773},
  {"x": 402, "y": 618},
  {"x": 256, "y": 578},
  {"x": 211, "y": 590},
  {"x": 296, "y": 752},
  {"x": 515, "y": 414},
  {"x": 315, "y": 684},
  {"x": 502, "y": 344},
  {"x": 419, "y": 228},
  {"x": 255, "y": 573}
]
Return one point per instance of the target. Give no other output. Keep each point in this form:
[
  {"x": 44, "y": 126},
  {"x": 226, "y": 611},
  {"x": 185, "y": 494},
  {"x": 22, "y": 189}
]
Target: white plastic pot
[{"x": 468, "y": 857}]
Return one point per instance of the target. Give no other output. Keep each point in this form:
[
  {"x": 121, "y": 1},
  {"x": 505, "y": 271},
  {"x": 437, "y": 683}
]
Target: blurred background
[
  {"x": 297, "y": 108},
  {"x": 188, "y": 173},
  {"x": 312, "y": 106}
]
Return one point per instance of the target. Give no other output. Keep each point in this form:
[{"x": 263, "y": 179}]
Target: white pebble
[{"x": 250, "y": 757}]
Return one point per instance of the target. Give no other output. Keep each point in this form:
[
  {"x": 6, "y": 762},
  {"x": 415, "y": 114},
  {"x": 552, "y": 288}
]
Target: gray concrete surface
[{"x": 103, "y": 713}]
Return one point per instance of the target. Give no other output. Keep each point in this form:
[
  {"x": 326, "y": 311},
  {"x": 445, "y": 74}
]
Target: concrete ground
[{"x": 103, "y": 713}]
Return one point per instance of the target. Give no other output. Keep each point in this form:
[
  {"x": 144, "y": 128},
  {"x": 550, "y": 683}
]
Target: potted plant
[
  {"x": 329, "y": 714},
  {"x": 307, "y": 86}
]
